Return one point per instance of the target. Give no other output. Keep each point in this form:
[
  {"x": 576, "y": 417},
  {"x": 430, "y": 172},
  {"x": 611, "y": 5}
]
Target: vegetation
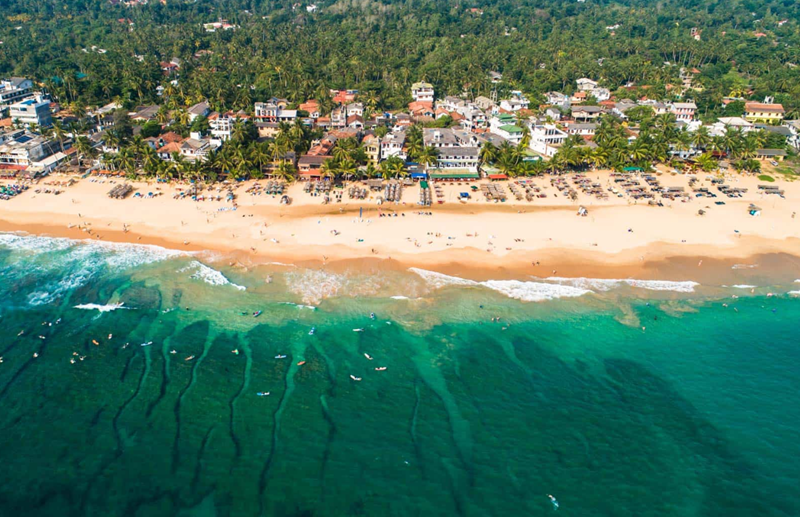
[{"x": 87, "y": 52}]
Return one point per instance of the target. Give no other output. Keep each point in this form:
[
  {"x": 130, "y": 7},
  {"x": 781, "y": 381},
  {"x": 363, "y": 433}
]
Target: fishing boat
[
  {"x": 311, "y": 332},
  {"x": 372, "y": 315},
  {"x": 280, "y": 357},
  {"x": 147, "y": 344},
  {"x": 367, "y": 356},
  {"x": 358, "y": 330},
  {"x": 355, "y": 378},
  {"x": 257, "y": 314},
  {"x": 263, "y": 393},
  {"x": 380, "y": 369},
  {"x": 189, "y": 358},
  {"x": 301, "y": 363}
]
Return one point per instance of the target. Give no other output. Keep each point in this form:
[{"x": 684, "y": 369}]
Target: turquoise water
[{"x": 616, "y": 399}]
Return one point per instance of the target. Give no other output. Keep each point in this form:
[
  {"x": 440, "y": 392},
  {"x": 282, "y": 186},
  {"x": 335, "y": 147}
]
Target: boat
[
  {"x": 380, "y": 369},
  {"x": 263, "y": 393},
  {"x": 358, "y": 330},
  {"x": 355, "y": 378},
  {"x": 173, "y": 352},
  {"x": 147, "y": 344},
  {"x": 189, "y": 358},
  {"x": 257, "y": 314},
  {"x": 301, "y": 363},
  {"x": 311, "y": 332},
  {"x": 372, "y": 315},
  {"x": 367, "y": 356},
  {"x": 280, "y": 357}
]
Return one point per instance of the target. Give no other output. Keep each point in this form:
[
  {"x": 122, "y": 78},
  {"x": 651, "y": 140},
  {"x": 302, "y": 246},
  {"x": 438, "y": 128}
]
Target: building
[
  {"x": 24, "y": 152},
  {"x": 201, "y": 109},
  {"x": 371, "y": 144},
  {"x": 587, "y": 112},
  {"x": 763, "y": 112},
  {"x": 312, "y": 108},
  {"x": 546, "y": 139},
  {"x": 683, "y": 111},
  {"x": 34, "y": 110},
  {"x": 14, "y": 90},
  {"x": 273, "y": 112},
  {"x": 516, "y": 102},
  {"x": 457, "y": 160},
  {"x": 511, "y": 132},
  {"x": 392, "y": 145},
  {"x": 221, "y": 124},
  {"x": 582, "y": 129},
  {"x": 586, "y": 85},
  {"x": 422, "y": 92},
  {"x": 439, "y": 137}
]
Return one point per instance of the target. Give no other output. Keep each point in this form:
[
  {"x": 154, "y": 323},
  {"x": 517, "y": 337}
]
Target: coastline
[{"x": 479, "y": 240}]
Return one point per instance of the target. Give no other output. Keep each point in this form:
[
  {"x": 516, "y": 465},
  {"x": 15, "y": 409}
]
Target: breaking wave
[
  {"x": 534, "y": 291},
  {"x": 209, "y": 275},
  {"x": 102, "y": 308},
  {"x": 606, "y": 284}
]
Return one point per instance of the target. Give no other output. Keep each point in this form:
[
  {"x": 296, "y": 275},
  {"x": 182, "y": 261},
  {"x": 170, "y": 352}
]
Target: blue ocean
[{"x": 139, "y": 381}]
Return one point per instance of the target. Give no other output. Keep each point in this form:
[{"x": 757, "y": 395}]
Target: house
[
  {"x": 546, "y": 139},
  {"x": 14, "y": 90},
  {"x": 355, "y": 122},
  {"x": 220, "y": 25},
  {"x": 201, "y": 109},
  {"x": 312, "y": 108},
  {"x": 659, "y": 108},
  {"x": 355, "y": 108},
  {"x": 420, "y": 110},
  {"x": 310, "y": 166},
  {"x": 586, "y": 84},
  {"x": 553, "y": 114},
  {"x": 145, "y": 113},
  {"x": 601, "y": 94},
  {"x": 763, "y": 112},
  {"x": 343, "y": 96},
  {"x": 683, "y": 111},
  {"x": 267, "y": 129},
  {"x": 21, "y": 150},
  {"x": 721, "y": 126},
  {"x": 794, "y": 127},
  {"x": 339, "y": 117},
  {"x": 510, "y": 132},
  {"x": 221, "y": 124},
  {"x": 439, "y": 137},
  {"x": 771, "y": 154},
  {"x": 372, "y": 148},
  {"x": 273, "y": 112},
  {"x": 578, "y": 97},
  {"x": 392, "y": 145},
  {"x": 516, "y": 102},
  {"x": 621, "y": 107},
  {"x": 583, "y": 129},
  {"x": 30, "y": 111},
  {"x": 484, "y": 103},
  {"x": 495, "y": 77},
  {"x": 457, "y": 160},
  {"x": 557, "y": 99},
  {"x": 422, "y": 92},
  {"x": 587, "y": 112}
]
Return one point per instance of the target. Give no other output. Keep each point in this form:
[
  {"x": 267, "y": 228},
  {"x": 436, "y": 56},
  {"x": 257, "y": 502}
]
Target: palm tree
[
  {"x": 488, "y": 153},
  {"x": 328, "y": 169},
  {"x": 285, "y": 170},
  {"x": 60, "y": 133},
  {"x": 85, "y": 149},
  {"x": 428, "y": 155}
]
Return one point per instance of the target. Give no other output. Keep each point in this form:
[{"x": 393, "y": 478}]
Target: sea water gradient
[{"x": 683, "y": 403}]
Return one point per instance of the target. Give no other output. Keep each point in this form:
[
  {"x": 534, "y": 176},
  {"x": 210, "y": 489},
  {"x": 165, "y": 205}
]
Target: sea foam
[
  {"x": 534, "y": 291},
  {"x": 209, "y": 275},
  {"x": 606, "y": 284},
  {"x": 102, "y": 308}
]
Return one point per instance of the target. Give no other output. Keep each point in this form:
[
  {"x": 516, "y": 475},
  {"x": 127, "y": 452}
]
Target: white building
[
  {"x": 516, "y": 102},
  {"x": 546, "y": 138},
  {"x": 35, "y": 110},
  {"x": 392, "y": 145},
  {"x": 14, "y": 90},
  {"x": 586, "y": 85},
  {"x": 684, "y": 111},
  {"x": 422, "y": 92},
  {"x": 272, "y": 112}
]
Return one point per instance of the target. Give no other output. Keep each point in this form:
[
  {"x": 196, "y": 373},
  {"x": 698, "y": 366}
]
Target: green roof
[
  {"x": 454, "y": 174},
  {"x": 505, "y": 117},
  {"x": 511, "y": 128}
]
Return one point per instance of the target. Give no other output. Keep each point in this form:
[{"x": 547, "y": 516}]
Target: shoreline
[{"x": 479, "y": 240}]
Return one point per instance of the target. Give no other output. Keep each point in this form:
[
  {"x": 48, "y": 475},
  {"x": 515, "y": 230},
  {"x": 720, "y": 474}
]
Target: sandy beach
[{"x": 543, "y": 237}]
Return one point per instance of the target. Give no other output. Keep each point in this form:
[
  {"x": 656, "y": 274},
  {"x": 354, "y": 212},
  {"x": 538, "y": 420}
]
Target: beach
[{"x": 619, "y": 237}]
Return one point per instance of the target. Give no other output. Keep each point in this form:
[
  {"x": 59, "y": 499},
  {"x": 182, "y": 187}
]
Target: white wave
[
  {"x": 102, "y": 308},
  {"x": 744, "y": 266},
  {"x": 314, "y": 285},
  {"x": 743, "y": 286},
  {"x": 793, "y": 293},
  {"x": 398, "y": 297},
  {"x": 439, "y": 280},
  {"x": 534, "y": 291},
  {"x": 299, "y": 305},
  {"x": 797, "y": 281},
  {"x": 606, "y": 284},
  {"x": 209, "y": 275}
]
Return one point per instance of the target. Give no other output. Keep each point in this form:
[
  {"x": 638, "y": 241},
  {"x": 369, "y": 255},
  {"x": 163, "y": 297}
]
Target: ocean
[{"x": 138, "y": 381}]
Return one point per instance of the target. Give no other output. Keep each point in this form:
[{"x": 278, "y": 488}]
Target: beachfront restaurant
[{"x": 453, "y": 175}]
